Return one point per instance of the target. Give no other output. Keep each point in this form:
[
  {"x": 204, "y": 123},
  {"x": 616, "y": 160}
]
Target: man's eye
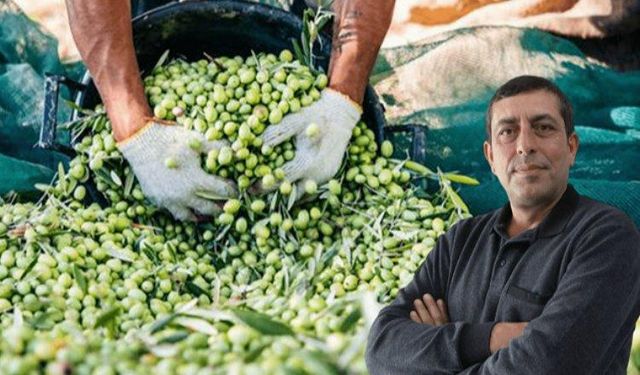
[
  {"x": 545, "y": 127},
  {"x": 505, "y": 132}
]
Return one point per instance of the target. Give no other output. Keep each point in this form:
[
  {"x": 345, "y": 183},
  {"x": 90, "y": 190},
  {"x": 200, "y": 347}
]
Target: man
[
  {"x": 102, "y": 31},
  {"x": 548, "y": 284}
]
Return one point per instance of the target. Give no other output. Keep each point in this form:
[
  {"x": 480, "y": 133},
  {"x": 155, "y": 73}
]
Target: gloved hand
[
  {"x": 320, "y": 147},
  {"x": 173, "y": 185}
]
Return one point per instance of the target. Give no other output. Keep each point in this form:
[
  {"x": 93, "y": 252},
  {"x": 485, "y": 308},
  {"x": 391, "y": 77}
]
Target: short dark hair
[{"x": 527, "y": 83}]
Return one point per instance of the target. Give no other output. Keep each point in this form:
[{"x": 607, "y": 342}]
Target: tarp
[
  {"x": 446, "y": 81},
  {"x": 26, "y": 53},
  {"x": 413, "y": 20}
]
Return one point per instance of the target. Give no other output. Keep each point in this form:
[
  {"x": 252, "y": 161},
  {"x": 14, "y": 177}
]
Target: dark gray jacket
[{"x": 575, "y": 278}]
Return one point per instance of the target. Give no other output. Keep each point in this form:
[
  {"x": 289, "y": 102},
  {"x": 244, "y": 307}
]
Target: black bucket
[
  {"x": 230, "y": 28},
  {"x": 190, "y": 29}
]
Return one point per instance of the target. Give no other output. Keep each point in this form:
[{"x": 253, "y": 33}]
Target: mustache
[{"x": 528, "y": 161}]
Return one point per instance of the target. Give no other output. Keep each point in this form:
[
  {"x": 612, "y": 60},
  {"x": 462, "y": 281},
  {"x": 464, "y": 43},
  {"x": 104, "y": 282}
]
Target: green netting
[
  {"x": 21, "y": 170},
  {"x": 446, "y": 82},
  {"x": 26, "y": 53}
]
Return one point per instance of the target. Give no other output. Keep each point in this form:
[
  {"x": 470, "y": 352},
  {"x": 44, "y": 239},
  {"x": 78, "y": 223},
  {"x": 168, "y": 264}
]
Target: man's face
[{"x": 529, "y": 150}]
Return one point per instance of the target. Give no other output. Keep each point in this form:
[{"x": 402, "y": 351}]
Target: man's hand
[
  {"x": 166, "y": 160},
  {"x": 429, "y": 311},
  {"x": 359, "y": 30},
  {"x": 322, "y": 133},
  {"x": 504, "y": 332}
]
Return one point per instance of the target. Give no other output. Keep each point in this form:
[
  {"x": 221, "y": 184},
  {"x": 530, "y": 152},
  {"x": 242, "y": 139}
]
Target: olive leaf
[
  {"x": 18, "y": 318},
  {"x": 274, "y": 202},
  {"x": 45, "y": 188},
  {"x": 350, "y": 321},
  {"x": 28, "y": 268},
  {"x": 172, "y": 250},
  {"x": 312, "y": 22},
  {"x": 163, "y": 58},
  {"x": 418, "y": 168},
  {"x": 210, "y": 314},
  {"x": 210, "y": 196},
  {"x": 461, "y": 179},
  {"x": 292, "y": 197},
  {"x": 174, "y": 337},
  {"x": 306, "y": 42},
  {"x": 103, "y": 176},
  {"x": 162, "y": 323},
  {"x": 222, "y": 233},
  {"x": 128, "y": 182},
  {"x": 197, "y": 324},
  {"x": 116, "y": 179},
  {"x": 255, "y": 58},
  {"x": 72, "y": 183},
  {"x": 114, "y": 252},
  {"x": 262, "y": 323},
  {"x": 61, "y": 177},
  {"x": 149, "y": 251},
  {"x": 43, "y": 321},
  {"x": 328, "y": 255},
  {"x": 151, "y": 255},
  {"x": 74, "y": 106},
  {"x": 297, "y": 50},
  {"x": 252, "y": 355},
  {"x": 108, "y": 316},
  {"x": 80, "y": 278},
  {"x": 99, "y": 123},
  {"x": 318, "y": 363},
  {"x": 194, "y": 289},
  {"x": 164, "y": 350},
  {"x": 457, "y": 200}
]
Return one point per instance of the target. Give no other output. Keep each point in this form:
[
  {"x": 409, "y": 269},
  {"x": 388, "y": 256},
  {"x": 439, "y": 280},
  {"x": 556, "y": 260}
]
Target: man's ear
[
  {"x": 574, "y": 143},
  {"x": 488, "y": 154}
]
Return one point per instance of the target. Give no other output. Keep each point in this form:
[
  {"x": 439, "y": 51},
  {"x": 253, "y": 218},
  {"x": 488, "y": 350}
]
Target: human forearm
[
  {"x": 584, "y": 326},
  {"x": 503, "y": 332},
  {"x": 359, "y": 29},
  {"x": 473, "y": 343},
  {"x": 398, "y": 343},
  {"x": 103, "y": 33}
]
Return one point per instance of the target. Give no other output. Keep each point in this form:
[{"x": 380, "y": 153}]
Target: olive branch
[{"x": 312, "y": 22}]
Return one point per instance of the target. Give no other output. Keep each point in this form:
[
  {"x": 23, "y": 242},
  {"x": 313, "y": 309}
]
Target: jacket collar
[{"x": 553, "y": 224}]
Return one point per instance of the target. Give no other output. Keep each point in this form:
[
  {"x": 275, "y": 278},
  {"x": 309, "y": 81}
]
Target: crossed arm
[
  {"x": 429, "y": 311},
  {"x": 581, "y": 327}
]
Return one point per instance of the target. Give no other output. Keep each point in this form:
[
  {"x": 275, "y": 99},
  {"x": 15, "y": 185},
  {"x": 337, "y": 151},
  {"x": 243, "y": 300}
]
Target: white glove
[
  {"x": 318, "y": 156},
  {"x": 174, "y": 188}
]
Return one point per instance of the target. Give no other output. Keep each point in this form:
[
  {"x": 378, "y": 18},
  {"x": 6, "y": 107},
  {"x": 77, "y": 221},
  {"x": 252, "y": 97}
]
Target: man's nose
[{"x": 527, "y": 141}]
